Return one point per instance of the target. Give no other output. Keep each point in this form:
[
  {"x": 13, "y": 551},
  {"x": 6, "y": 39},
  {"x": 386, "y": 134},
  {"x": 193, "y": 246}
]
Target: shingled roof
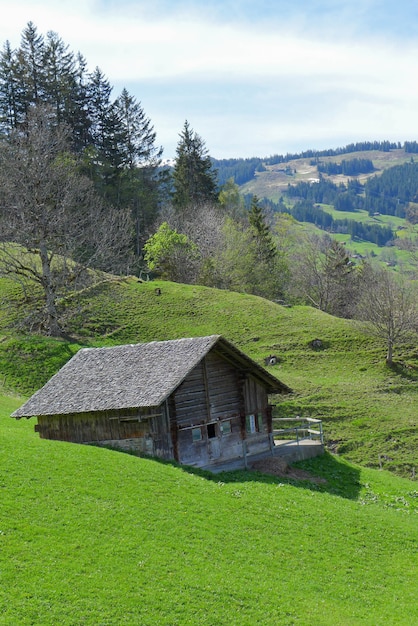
[{"x": 129, "y": 376}]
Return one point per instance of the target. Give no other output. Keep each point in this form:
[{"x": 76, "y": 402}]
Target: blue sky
[{"x": 252, "y": 78}]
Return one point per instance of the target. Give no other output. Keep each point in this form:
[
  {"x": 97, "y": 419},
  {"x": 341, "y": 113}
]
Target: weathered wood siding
[
  {"x": 257, "y": 404},
  {"x": 216, "y": 398},
  {"x": 190, "y": 404},
  {"x": 145, "y": 431},
  {"x": 255, "y": 396}
]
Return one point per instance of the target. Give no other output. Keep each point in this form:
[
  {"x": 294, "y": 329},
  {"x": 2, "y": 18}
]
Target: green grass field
[
  {"x": 92, "y": 537},
  {"x": 364, "y": 217}
]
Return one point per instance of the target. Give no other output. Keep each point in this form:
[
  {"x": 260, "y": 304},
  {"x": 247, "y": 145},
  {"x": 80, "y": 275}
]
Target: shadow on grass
[
  {"x": 340, "y": 478},
  {"x": 403, "y": 369}
]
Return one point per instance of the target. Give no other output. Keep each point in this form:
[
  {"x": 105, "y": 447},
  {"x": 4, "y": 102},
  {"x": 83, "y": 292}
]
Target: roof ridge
[{"x": 129, "y": 375}]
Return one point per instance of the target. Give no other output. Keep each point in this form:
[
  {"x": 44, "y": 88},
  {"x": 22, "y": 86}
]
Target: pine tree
[
  {"x": 8, "y": 90},
  {"x": 30, "y": 67},
  {"x": 138, "y": 183},
  {"x": 44, "y": 71},
  {"x": 99, "y": 92},
  {"x": 78, "y": 112},
  {"x": 266, "y": 248},
  {"x": 114, "y": 138},
  {"x": 138, "y": 133},
  {"x": 194, "y": 177},
  {"x": 60, "y": 74}
]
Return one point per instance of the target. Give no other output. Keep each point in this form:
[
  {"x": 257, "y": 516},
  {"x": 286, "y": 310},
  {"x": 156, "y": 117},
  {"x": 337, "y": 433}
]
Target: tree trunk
[
  {"x": 389, "y": 355},
  {"x": 50, "y": 297}
]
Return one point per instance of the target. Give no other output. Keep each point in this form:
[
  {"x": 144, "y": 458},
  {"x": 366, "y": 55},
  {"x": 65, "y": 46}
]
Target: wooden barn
[{"x": 200, "y": 401}]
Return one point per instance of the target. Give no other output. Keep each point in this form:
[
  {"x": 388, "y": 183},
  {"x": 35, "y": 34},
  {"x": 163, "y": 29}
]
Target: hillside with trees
[
  {"x": 113, "y": 139},
  {"x": 82, "y": 192},
  {"x": 102, "y": 245},
  {"x": 245, "y": 170},
  {"x": 388, "y": 193}
]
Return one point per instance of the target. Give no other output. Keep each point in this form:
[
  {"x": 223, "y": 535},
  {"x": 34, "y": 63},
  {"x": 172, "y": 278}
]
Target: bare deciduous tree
[
  {"x": 52, "y": 224},
  {"x": 388, "y": 307},
  {"x": 323, "y": 275}
]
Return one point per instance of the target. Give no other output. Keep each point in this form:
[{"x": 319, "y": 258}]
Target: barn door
[
  {"x": 214, "y": 441},
  {"x": 214, "y": 448}
]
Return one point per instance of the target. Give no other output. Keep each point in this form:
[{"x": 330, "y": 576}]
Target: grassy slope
[
  {"x": 91, "y": 536},
  {"x": 368, "y": 410}
]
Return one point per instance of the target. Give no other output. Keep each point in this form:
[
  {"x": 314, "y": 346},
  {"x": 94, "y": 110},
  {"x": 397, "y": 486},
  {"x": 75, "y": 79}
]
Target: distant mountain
[
  {"x": 365, "y": 194},
  {"x": 246, "y": 170}
]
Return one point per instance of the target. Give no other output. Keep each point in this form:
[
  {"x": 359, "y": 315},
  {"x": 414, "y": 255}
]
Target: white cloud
[{"x": 324, "y": 87}]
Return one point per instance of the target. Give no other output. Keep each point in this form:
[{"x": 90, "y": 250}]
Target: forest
[
  {"x": 350, "y": 167},
  {"x": 389, "y": 193},
  {"x": 83, "y": 192},
  {"x": 305, "y": 211}
]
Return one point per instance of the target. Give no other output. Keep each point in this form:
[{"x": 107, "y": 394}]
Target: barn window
[
  {"x": 211, "y": 431},
  {"x": 226, "y": 427},
  {"x": 251, "y": 423},
  {"x": 196, "y": 434}
]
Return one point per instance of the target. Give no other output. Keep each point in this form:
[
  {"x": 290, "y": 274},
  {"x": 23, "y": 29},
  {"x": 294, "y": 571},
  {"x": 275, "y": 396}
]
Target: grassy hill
[
  {"x": 91, "y": 536},
  {"x": 369, "y": 411}
]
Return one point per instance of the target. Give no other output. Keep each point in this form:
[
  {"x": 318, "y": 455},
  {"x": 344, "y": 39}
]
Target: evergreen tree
[
  {"x": 99, "y": 92},
  {"x": 30, "y": 67},
  {"x": 8, "y": 90},
  {"x": 268, "y": 271},
  {"x": 135, "y": 159},
  {"x": 60, "y": 75},
  {"x": 139, "y": 137},
  {"x": 194, "y": 177},
  {"x": 266, "y": 248},
  {"x": 42, "y": 71},
  {"x": 115, "y": 139}
]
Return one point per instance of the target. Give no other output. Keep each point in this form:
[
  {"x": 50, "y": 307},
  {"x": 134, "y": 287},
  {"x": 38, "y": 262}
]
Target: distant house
[{"x": 198, "y": 401}]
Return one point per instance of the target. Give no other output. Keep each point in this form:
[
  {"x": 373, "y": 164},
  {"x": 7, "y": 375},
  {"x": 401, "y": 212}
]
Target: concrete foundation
[{"x": 290, "y": 451}]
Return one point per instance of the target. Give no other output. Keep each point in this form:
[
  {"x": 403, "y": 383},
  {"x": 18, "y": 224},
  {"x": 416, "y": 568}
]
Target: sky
[{"x": 252, "y": 78}]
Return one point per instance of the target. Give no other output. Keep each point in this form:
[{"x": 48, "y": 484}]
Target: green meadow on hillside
[
  {"x": 92, "y": 536},
  {"x": 369, "y": 410},
  {"x": 391, "y": 254}
]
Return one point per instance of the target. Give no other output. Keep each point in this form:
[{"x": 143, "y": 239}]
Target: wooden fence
[{"x": 305, "y": 428}]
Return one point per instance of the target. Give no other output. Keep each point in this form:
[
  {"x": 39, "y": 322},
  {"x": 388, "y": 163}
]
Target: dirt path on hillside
[{"x": 279, "y": 467}]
